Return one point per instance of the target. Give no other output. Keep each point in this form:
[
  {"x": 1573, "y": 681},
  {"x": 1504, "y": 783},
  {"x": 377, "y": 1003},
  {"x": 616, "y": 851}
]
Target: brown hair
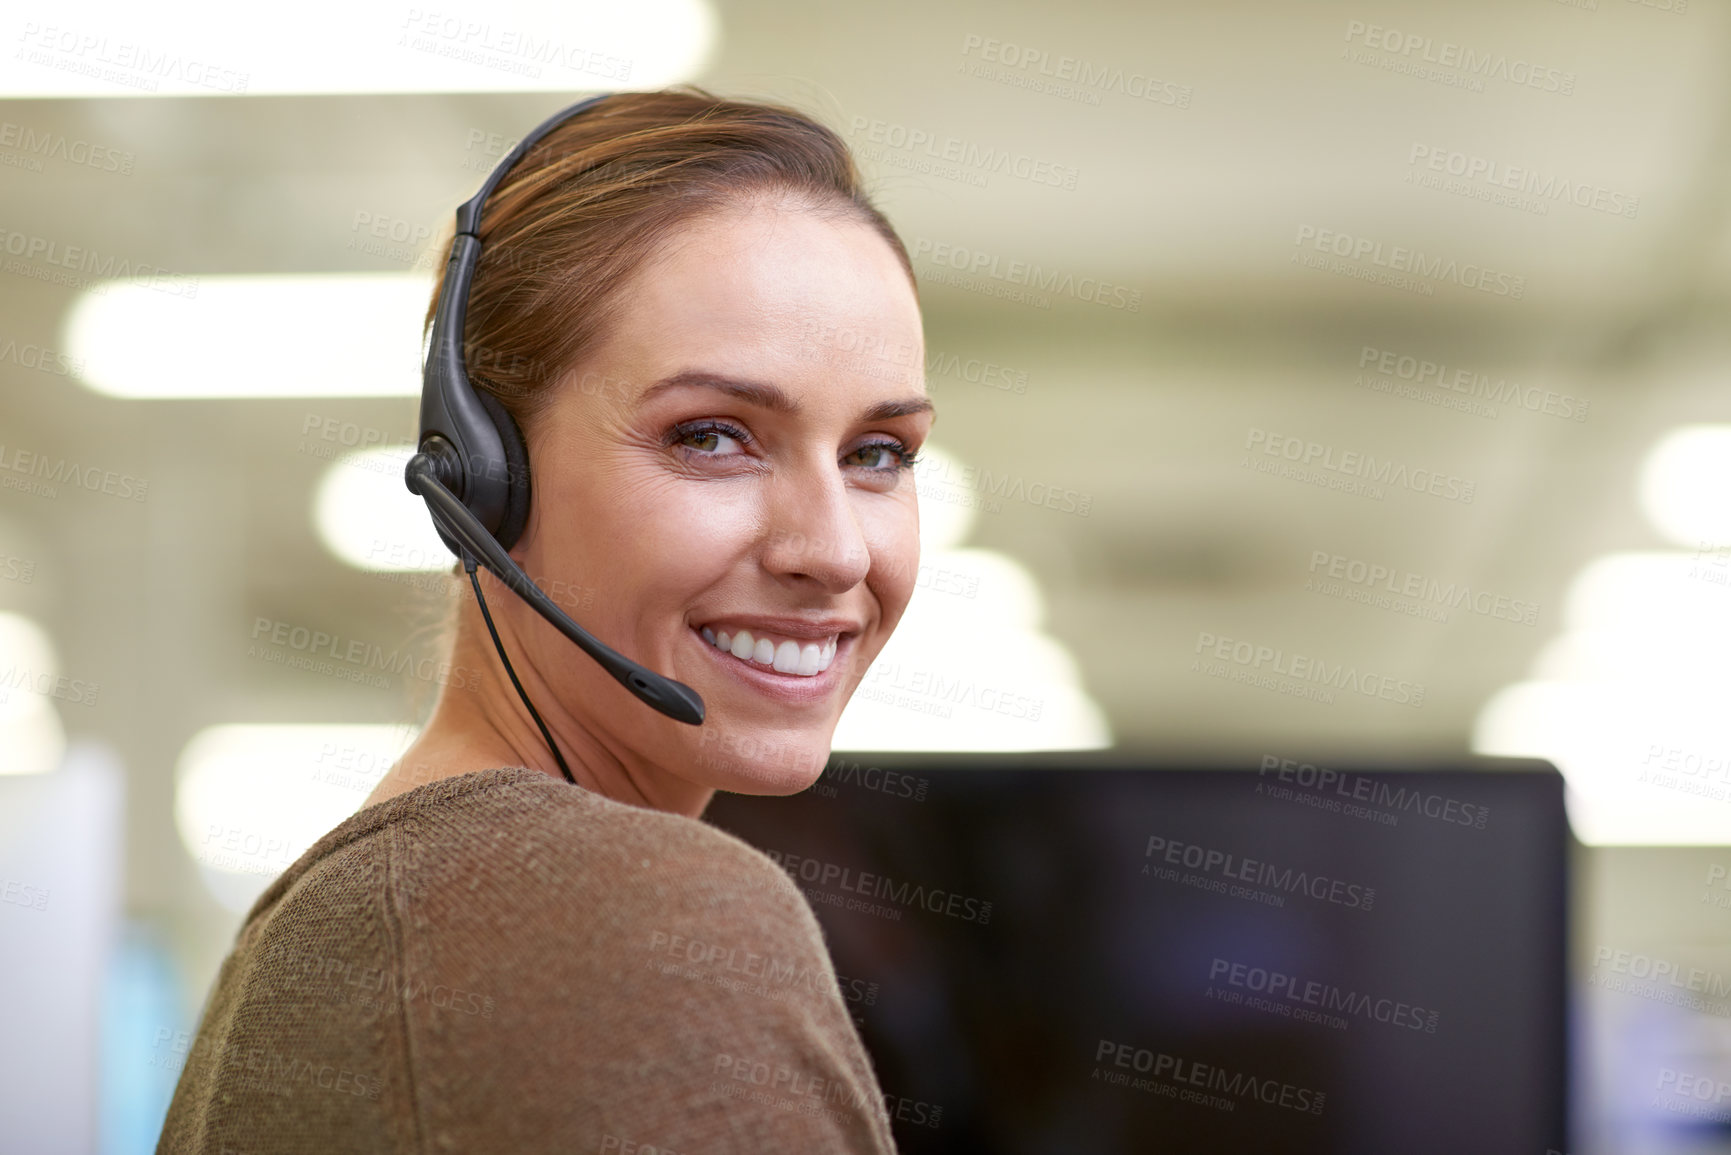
[{"x": 591, "y": 202}]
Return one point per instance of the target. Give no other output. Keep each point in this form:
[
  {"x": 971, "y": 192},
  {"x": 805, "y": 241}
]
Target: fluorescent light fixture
[
  {"x": 308, "y": 335},
  {"x": 1685, "y": 485},
  {"x": 367, "y": 517},
  {"x": 205, "y": 48},
  {"x": 32, "y": 740},
  {"x": 1675, "y": 592},
  {"x": 250, "y": 799},
  {"x": 1630, "y": 701},
  {"x": 1645, "y": 765}
]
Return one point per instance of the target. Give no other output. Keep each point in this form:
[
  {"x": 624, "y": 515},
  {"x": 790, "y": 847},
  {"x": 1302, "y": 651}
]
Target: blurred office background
[{"x": 1383, "y": 336}]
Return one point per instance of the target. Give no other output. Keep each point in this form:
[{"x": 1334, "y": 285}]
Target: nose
[{"x": 814, "y": 533}]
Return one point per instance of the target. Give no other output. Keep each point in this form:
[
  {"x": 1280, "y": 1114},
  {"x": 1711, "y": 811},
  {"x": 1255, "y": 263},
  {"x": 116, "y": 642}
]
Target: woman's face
[{"x": 729, "y": 465}]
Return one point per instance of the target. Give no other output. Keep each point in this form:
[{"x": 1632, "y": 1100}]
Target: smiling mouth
[{"x": 805, "y": 659}]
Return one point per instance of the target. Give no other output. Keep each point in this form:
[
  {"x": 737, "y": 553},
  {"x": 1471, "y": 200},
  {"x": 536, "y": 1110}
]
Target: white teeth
[
  {"x": 789, "y": 657},
  {"x": 809, "y": 660}
]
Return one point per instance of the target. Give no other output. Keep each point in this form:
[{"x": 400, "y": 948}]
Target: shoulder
[{"x": 522, "y": 837}]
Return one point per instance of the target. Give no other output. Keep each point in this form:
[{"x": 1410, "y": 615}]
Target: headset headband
[{"x": 450, "y": 406}]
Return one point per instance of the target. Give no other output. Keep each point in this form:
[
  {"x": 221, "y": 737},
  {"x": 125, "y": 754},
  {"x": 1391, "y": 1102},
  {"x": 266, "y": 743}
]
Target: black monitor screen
[{"x": 1061, "y": 955}]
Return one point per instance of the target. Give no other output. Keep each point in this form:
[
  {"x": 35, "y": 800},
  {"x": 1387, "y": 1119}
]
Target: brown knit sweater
[{"x": 501, "y": 961}]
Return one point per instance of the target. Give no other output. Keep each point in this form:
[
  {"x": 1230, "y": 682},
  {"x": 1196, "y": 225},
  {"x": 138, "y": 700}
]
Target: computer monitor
[{"x": 1075, "y": 954}]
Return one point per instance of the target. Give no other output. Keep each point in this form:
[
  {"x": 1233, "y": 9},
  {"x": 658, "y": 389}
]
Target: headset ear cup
[{"x": 516, "y": 470}]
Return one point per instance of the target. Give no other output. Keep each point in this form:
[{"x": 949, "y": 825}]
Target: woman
[{"x": 485, "y": 957}]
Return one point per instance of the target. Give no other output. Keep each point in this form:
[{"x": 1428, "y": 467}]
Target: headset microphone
[{"x": 473, "y": 466}]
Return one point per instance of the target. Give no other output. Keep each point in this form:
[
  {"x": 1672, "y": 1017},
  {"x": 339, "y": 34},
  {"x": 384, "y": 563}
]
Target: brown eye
[
  {"x": 711, "y": 440},
  {"x": 880, "y": 456}
]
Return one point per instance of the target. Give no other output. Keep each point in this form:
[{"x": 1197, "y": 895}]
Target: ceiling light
[
  {"x": 250, "y": 799},
  {"x": 203, "y": 48},
  {"x": 305, "y": 335},
  {"x": 1644, "y": 764},
  {"x": 367, "y": 517},
  {"x": 1685, "y": 486}
]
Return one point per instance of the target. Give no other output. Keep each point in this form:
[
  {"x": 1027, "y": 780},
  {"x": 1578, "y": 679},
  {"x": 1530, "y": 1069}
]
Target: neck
[{"x": 480, "y": 721}]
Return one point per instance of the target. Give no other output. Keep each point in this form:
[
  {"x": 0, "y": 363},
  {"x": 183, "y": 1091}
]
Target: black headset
[{"x": 472, "y": 467}]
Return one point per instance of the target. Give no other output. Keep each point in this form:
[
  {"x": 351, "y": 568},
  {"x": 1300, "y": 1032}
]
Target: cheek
[
  {"x": 662, "y": 539},
  {"x": 894, "y": 543}
]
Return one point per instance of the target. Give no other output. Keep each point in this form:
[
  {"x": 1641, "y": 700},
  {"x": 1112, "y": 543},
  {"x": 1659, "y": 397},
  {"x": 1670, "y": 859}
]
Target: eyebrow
[{"x": 767, "y": 396}]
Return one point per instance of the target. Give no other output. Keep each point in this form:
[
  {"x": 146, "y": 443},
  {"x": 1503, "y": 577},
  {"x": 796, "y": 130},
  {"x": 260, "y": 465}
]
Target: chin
[{"x": 754, "y": 761}]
